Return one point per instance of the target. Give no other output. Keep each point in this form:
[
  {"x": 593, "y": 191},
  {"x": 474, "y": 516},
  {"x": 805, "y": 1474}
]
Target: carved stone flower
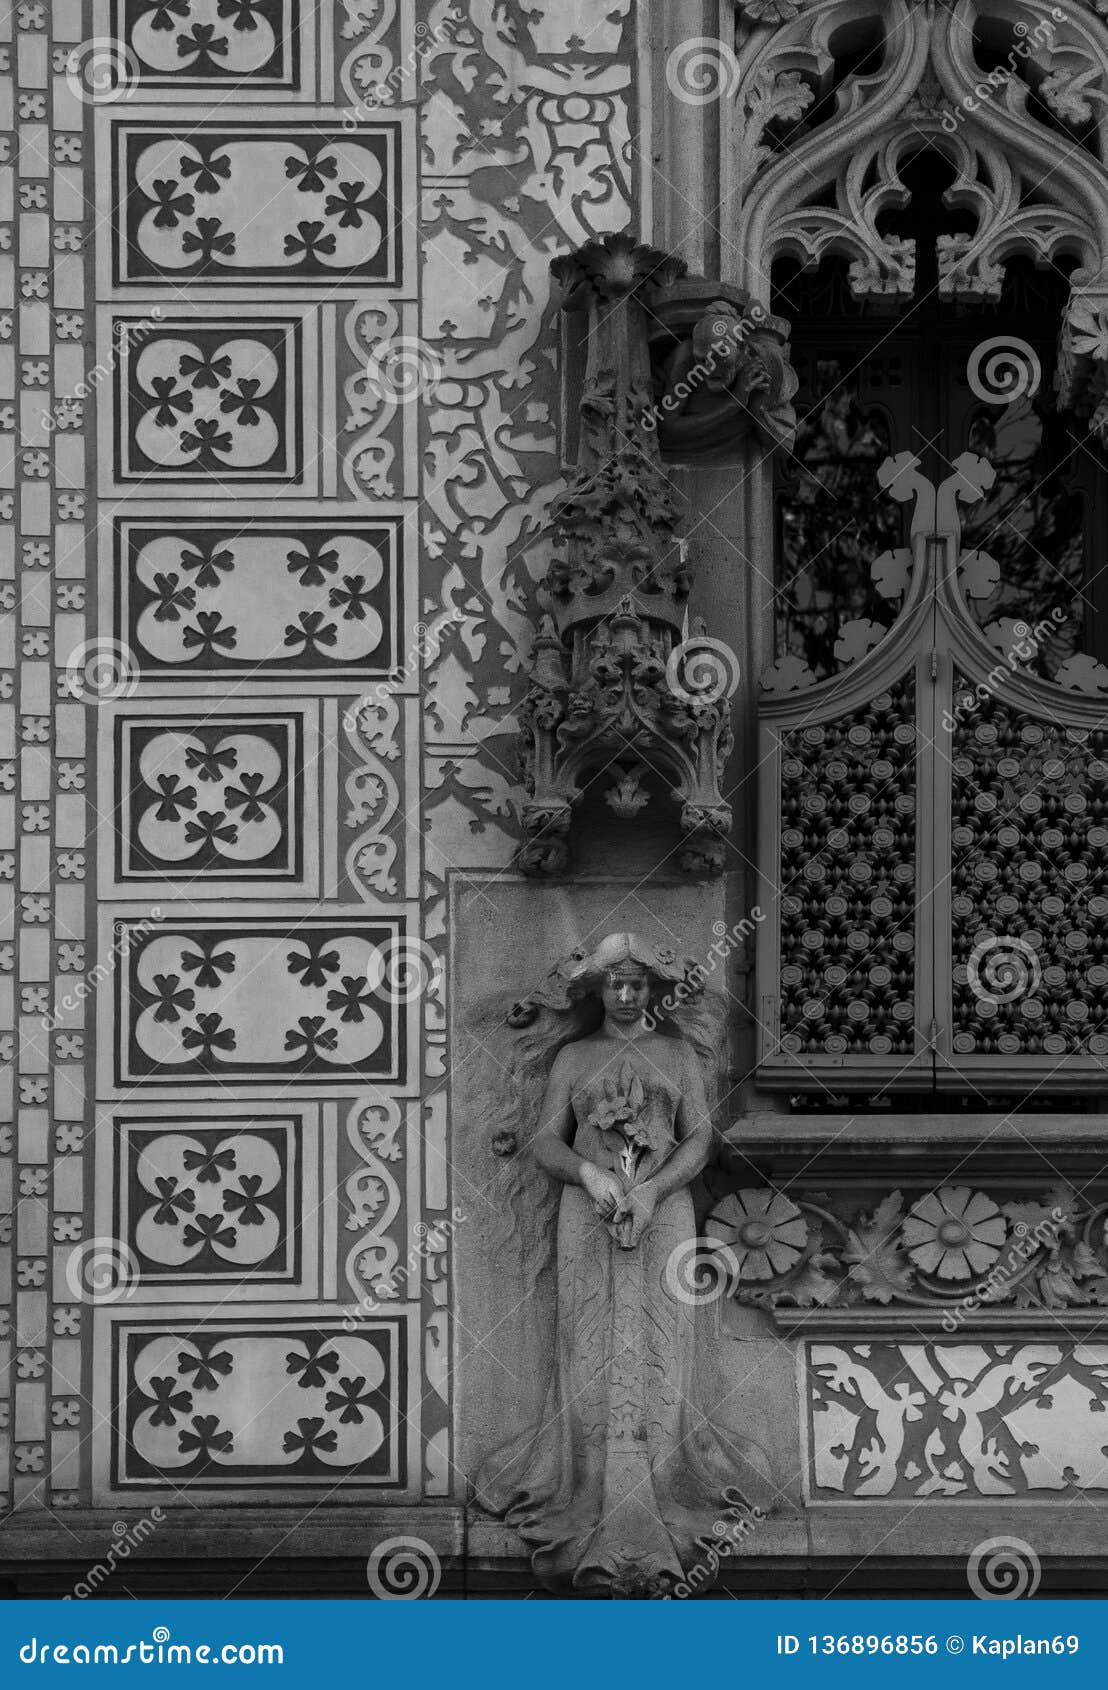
[
  {"x": 762, "y": 1230},
  {"x": 617, "y": 1114},
  {"x": 955, "y": 1233}
]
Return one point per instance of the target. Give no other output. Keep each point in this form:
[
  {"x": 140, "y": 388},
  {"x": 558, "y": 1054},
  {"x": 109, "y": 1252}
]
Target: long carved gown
[{"x": 623, "y": 1471}]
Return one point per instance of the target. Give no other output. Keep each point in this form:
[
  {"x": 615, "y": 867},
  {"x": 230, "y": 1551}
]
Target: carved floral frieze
[{"x": 951, "y": 1252}]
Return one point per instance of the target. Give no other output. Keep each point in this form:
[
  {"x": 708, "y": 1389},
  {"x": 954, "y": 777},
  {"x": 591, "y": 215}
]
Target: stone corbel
[
  {"x": 616, "y": 685},
  {"x": 723, "y": 380}
]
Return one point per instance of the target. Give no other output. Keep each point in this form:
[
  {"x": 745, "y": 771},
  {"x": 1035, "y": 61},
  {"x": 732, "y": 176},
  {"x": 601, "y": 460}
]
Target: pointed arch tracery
[{"x": 880, "y": 784}]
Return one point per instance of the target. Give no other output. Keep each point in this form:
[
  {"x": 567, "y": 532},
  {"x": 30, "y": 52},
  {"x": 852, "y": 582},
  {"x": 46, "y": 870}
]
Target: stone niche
[{"x": 506, "y": 936}]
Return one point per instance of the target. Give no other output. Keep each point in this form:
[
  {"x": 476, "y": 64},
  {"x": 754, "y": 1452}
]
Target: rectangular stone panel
[
  {"x": 253, "y": 1401},
  {"x": 255, "y": 205},
  {"x": 311, "y": 597},
  {"x": 205, "y": 399},
  {"x": 315, "y": 1001},
  {"x": 211, "y": 48},
  {"x": 202, "y": 800},
  {"x": 954, "y": 1421},
  {"x": 220, "y": 1196}
]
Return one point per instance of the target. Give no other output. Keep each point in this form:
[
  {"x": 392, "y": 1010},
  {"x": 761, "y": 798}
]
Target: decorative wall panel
[
  {"x": 200, "y": 598},
  {"x": 955, "y": 1422},
  {"x": 235, "y": 777},
  {"x": 251, "y": 1401}
]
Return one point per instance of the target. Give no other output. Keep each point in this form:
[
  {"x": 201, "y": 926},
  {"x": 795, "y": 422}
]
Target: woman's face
[{"x": 625, "y": 994}]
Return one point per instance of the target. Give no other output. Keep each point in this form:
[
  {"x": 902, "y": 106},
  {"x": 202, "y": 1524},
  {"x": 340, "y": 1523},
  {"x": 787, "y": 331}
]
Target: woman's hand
[
  {"x": 603, "y": 1187},
  {"x": 633, "y": 1214}
]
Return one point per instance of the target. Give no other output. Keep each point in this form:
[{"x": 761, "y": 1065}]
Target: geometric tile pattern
[{"x": 197, "y": 394}]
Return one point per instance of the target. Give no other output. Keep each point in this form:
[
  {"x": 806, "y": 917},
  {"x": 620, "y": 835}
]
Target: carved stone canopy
[{"x": 617, "y": 685}]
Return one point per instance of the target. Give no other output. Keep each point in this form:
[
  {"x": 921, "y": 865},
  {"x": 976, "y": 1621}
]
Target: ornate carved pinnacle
[{"x": 607, "y": 689}]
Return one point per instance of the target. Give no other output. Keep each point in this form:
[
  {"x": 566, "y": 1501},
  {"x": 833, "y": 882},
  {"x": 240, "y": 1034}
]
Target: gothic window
[
  {"x": 935, "y": 761},
  {"x": 874, "y": 383}
]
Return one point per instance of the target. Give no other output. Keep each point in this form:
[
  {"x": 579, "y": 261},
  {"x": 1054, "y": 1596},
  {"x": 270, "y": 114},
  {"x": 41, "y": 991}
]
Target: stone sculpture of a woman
[{"x": 623, "y": 1472}]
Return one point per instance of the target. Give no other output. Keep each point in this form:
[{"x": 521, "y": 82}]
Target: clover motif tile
[
  {"x": 226, "y": 403},
  {"x": 213, "y": 1002},
  {"x": 210, "y": 803},
  {"x": 255, "y": 205},
  {"x": 220, "y": 1196},
  {"x": 215, "y": 798},
  {"x": 213, "y": 44},
  {"x": 259, "y": 1401},
  {"x": 200, "y": 599}
]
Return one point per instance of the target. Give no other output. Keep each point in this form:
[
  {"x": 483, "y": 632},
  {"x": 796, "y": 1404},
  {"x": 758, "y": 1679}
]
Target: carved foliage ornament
[{"x": 953, "y": 1251}]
